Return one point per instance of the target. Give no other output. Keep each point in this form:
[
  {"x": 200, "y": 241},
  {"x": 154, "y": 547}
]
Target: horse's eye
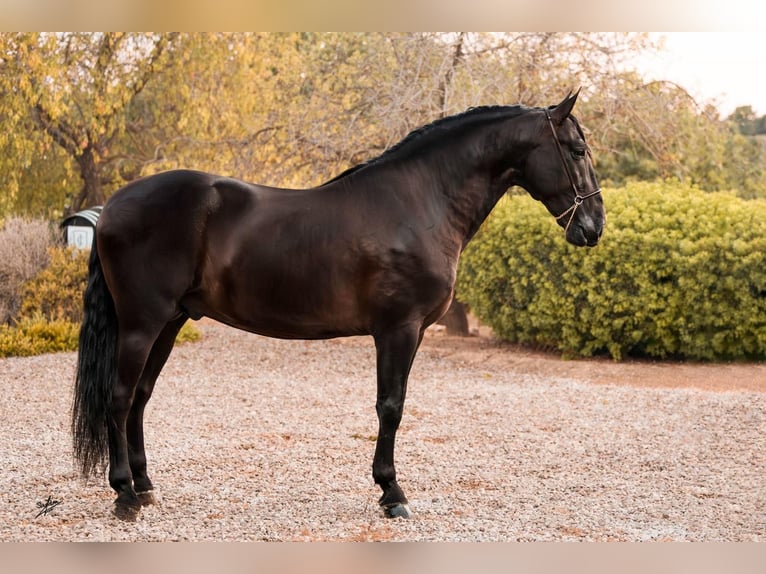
[{"x": 578, "y": 153}]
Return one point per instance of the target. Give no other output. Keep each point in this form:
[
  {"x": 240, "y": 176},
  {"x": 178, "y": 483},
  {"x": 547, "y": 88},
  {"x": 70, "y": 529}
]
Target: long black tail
[{"x": 96, "y": 372}]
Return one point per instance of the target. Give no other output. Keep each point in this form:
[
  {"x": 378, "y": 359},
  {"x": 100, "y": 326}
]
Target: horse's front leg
[{"x": 396, "y": 350}]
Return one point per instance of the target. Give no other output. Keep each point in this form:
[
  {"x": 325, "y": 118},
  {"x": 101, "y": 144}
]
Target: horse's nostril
[{"x": 592, "y": 235}]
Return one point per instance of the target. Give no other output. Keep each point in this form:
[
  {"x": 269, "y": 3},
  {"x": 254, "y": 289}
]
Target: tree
[
  {"x": 747, "y": 122},
  {"x": 656, "y": 130},
  {"x": 81, "y": 114},
  {"x": 72, "y": 90}
]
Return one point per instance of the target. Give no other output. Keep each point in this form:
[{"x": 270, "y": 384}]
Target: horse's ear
[{"x": 562, "y": 111}]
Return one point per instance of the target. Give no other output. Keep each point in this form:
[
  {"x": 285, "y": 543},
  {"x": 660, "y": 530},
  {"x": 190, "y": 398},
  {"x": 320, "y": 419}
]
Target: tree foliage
[
  {"x": 82, "y": 114},
  {"x": 648, "y": 131},
  {"x": 73, "y": 91},
  {"x": 747, "y": 121}
]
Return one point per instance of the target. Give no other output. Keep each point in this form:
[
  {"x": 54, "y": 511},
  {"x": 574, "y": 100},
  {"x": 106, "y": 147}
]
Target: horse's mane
[{"x": 423, "y": 135}]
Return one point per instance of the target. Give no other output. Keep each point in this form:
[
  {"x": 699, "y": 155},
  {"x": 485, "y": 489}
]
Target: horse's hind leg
[
  {"x": 135, "y": 423},
  {"x": 134, "y": 346}
]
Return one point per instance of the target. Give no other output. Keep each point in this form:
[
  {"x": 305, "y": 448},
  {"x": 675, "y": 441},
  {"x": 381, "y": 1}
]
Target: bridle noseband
[{"x": 578, "y": 199}]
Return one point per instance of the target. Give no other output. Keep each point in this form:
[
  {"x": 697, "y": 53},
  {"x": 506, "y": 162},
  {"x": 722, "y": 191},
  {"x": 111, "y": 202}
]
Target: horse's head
[{"x": 559, "y": 173}]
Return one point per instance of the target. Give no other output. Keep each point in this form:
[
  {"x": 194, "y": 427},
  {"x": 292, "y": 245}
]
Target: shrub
[
  {"x": 56, "y": 292},
  {"x": 36, "y": 335},
  {"x": 188, "y": 334},
  {"x": 679, "y": 273},
  {"x": 24, "y": 245}
]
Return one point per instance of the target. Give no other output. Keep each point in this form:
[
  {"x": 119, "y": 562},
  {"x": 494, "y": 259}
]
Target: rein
[{"x": 578, "y": 199}]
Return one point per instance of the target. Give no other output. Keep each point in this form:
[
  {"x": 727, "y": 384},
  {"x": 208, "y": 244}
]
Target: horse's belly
[
  {"x": 281, "y": 329},
  {"x": 273, "y": 317}
]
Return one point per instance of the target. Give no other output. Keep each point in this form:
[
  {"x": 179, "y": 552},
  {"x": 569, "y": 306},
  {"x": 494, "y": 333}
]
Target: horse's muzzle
[{"x": 584, "y": 235}]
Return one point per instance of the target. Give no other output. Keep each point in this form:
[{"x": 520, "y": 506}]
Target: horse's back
[
  {"x": 163, "y": 193},
  {"x": 311, "y": 263}
]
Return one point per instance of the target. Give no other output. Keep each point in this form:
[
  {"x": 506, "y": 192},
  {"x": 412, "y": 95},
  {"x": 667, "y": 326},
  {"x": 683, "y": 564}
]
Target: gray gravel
[{"x": 260, "y": 439}]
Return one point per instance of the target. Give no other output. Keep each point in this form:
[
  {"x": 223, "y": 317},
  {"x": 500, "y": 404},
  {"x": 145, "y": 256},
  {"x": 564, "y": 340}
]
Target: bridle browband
[{"x": 578, "y": 199}]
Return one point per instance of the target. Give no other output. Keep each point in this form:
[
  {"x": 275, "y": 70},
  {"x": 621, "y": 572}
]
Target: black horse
[{"x": 372, "y": 252}]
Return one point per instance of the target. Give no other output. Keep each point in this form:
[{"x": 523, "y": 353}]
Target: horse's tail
[{"x": 96, "y": 372}]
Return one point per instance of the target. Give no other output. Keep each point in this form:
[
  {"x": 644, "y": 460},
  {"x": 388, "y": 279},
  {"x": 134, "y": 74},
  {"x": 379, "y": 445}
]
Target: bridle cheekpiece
[{"x": 578, "y": 198}]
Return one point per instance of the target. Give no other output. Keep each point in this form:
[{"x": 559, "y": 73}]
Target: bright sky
[{"x": 725, "y": 68}]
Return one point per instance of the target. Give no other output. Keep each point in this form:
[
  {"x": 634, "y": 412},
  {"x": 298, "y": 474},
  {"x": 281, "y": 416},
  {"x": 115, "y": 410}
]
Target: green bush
[
  {"x": 36, "y": 335},
  {"x": 56, "y": 291},
  {"x": 679, "y": 273},
  {"x": 51, "y": 309},
  {"x": 188, "y": 334}
]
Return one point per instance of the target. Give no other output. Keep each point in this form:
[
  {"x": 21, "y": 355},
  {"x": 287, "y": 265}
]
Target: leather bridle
[{"x": 578, "y": 198}]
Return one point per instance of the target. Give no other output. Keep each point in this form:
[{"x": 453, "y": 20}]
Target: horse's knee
[{"x": 389, "y": 412}]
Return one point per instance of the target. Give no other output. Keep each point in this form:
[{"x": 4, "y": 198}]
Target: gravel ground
[{"x": 260, "y": 439}]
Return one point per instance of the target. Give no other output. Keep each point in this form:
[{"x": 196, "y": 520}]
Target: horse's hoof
[
  {"x": 126, "y": 512},
  {"x": 398, "y": 510},
  {"x": 146, "y": 498}
]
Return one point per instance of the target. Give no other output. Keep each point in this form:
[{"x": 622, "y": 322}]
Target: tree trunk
[
  {"x": 92, "y": 192},
  {"x": 455, "y": 319}
]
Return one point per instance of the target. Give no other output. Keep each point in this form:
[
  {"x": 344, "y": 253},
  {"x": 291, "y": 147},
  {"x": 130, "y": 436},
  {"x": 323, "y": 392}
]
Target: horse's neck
[
  {"x": 470, "y": 197},
  {"x": 466, "y": 206},
  {"x": 463, "y": 183}
]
